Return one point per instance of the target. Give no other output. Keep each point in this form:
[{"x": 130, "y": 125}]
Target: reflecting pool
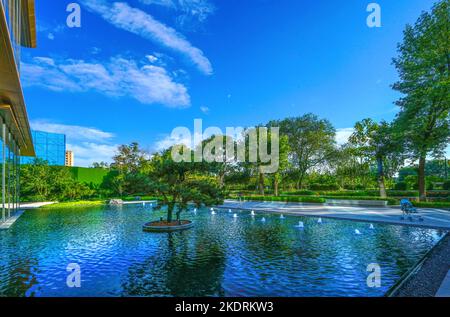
[{"x": 223, "y": 255}]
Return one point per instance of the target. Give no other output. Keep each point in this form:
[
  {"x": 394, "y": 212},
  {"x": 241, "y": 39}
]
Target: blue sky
[{"x": 137, "y": 69}]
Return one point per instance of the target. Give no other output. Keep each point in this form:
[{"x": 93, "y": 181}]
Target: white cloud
[
  {"x": 51, "y": 36},
  {"x": 152, "y": 58},
  {"x": 86, "y": 153},
  {"x": 88, "y": 144},
  {"x": 190, "y": 10},
  {"x": 342, "y": 135},
  {"x": 205, "y": 110},
  {"x": 164, "y": 3},
  {"x": 118, "y": 77},
  {"x": 72, "y": 132},
  {"x": 136, "y": 21},
  {"x": 170, "y": 140}
]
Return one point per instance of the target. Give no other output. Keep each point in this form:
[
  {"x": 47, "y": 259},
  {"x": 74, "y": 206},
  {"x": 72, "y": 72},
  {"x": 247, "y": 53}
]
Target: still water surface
[{"x": 220, "y": 256}]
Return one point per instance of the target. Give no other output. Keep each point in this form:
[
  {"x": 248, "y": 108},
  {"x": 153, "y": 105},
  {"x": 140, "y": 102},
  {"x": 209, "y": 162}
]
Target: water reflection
[{"x": 222, "y": 255}]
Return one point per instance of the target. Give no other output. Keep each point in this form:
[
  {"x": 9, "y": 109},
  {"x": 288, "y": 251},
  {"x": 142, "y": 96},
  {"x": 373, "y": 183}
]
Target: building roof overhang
[{"x": 12, "y": 103}]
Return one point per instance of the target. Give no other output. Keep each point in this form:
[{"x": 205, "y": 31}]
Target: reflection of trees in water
[
  {"x": 186, "y": 265},
  {"x": 18, "y": 276},
  {"x": 403, "y": 245}
]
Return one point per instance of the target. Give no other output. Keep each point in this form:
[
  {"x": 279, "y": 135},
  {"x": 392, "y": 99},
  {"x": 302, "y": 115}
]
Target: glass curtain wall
[
  {"x": 12, "y": 9},
  {"x": 9, "y": 173}
]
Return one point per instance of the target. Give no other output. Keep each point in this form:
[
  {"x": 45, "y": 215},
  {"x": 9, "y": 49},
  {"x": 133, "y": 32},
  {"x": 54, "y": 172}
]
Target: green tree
[
  {"x": 284, "y": 151},
  {"x": 128, "y": 167},
  {"x": 179, "y": 183},
  {"x": 311, "y": 141},
  {"x": 378, "y": 142},
  {"x": 351, "y": 168},
  {"x": 100, "y": 165},
  {"x": 221, "y": 162},
  {"x": 35, "y": 180},
  {"x": 423, "y": 65}
]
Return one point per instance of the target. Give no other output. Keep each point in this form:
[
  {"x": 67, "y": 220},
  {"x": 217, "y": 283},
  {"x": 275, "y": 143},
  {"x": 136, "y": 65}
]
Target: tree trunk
[
  {"x": 261, "y": 182},
  {"x": 300, "y": 183},
  {"x": 170, "y": 208},
  {"x": 221, "y": 180},
  {"x": 422, "y": 189},
  {"x": 275, "y": 184},
  {"x": 381, "y": 184}
]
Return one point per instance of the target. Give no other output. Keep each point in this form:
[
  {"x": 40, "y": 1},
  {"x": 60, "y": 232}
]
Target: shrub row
[
  {"x": 391, "y": 201},
  {"x": 440, "y": 205},
  {"x": 304, "y": 192},
  {"x": 296, "y": 199}
]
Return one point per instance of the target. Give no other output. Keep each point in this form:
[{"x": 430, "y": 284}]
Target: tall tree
[
  {"x": 351, "y": 167},
  {"x": 378, "y": 142},
  {"x": 221, "y": 162},
  {"x": 283, "y": 163},
  {"x": 179, "y": 183},
  {"x": 129, "y": 165},
  {"x": 423, "y": 65},
  {"x": 311, "y": 141}
]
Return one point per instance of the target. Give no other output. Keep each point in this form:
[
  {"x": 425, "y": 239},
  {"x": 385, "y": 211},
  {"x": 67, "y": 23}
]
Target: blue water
[{"x": 220, "y": 256}]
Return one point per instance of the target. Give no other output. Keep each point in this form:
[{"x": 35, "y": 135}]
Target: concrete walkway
[
  {"x": 35, "y": 205},
  {"x": 140, "y": 202},
  {"x": 11, "y": 220},
  {"x": 444, "y": 290},
  {"x": 432, "y": 218},
  {"x": 23, "y": 206}
]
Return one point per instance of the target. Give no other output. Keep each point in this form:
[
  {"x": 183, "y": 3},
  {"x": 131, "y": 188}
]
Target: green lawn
[{"x": 76, "y": 204}]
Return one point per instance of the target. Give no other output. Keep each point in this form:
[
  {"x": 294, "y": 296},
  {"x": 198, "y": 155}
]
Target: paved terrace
[{"x": 432, "y": 218}]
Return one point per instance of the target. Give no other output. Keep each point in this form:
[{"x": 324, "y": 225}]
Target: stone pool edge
[{"x": 413, "y": 276}]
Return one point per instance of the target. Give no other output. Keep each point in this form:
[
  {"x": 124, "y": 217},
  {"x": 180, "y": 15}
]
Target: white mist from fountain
[
  {"x": 357, "y": 232},
  {"x": 371, "y": 226},
  {"x": 300, "y": 225},
  {"x": 320, "y": 220}
]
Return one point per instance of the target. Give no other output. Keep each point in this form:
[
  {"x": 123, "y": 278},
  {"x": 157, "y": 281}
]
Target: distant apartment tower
[
  {"x": 50, "y": 147},
  {"x": 69, "y": 158}
]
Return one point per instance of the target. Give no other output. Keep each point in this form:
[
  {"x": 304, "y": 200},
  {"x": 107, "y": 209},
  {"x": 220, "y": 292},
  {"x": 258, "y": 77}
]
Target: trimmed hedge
[
  {"x": 314, "y": 199},
  {"x": 446, "y": 185},
  {"x": 439, "y": 205},
  {"x": 304, "y": 192},
  {"x": 391, "y": 201},
  {"x": 317, "y": 186},
  {"x": 296, "y": 199},
  {"x": 93, "y": 176}
]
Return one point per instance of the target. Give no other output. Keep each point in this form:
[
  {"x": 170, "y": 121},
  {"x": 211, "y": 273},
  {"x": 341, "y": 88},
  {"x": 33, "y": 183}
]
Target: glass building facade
[
  {"x": 10, "y": 172},
  {"x": 50, "y": 147},
  {"x": 17, "y": 29}
]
